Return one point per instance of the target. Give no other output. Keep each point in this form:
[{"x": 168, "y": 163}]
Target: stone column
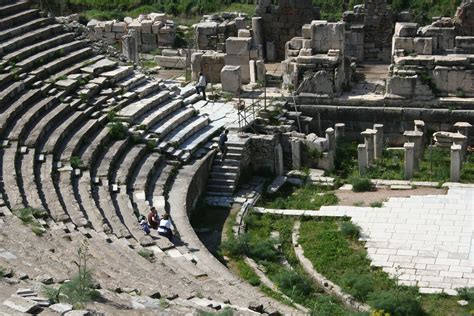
[
  {"x": 257, "y": 28},
  {"x": 279, "y": 170},
  {"x": 253, "y": 71},
  {"x": 368, "y": 135},
  {"x": 362, "y": 159},
  {"x": 461, "y": 140},
  {"x": 196, "y": 65},
  {"x": 340, "y": 130},
  {"x": 331, "y": 139},
  {"x": 130, "y": 46},
  {"x": 378, "y": 140},
  {"x": 416, "y": 138},
  {"x": 296, "y": 153},
  {"x": 455, "y": 174},
  {"x": 409, "y": 160},
  {"x": 463, "y": 128}
]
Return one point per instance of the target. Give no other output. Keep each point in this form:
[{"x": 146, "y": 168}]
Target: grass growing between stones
[
  {"x": 335, "y": 252},
  {"x": 308, "y": 197},
  {"x": 268, "y": 242},
  {"x": 29, "y": 216}
]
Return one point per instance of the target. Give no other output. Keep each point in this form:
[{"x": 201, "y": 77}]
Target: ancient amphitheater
[{"x": 94, "y": 140}]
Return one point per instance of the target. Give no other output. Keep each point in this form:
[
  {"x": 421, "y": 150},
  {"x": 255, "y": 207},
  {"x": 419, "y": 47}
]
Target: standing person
[
  {"x": 165, "y": 227},
  {"x": 201, "y": 85},
  {"x": 222, "y": 146},
  {"x": 153, "y": 219}
]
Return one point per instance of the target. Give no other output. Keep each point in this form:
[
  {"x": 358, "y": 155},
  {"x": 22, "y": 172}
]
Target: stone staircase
[{"x": 224, "y": 175}]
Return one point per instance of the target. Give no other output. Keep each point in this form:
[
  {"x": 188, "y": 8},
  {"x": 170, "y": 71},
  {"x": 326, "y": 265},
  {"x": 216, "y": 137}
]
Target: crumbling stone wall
[
  {"x": 316, "y": 62},
  {"x": 431, "y": 61},
  {"x": 213, "y": 30},
  {"x": 282, "y": 22},
  {"x": 262, "y": 148},
  {"x": 153, "y": 30}
]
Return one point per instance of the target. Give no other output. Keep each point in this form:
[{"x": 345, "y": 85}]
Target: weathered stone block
[
  {"x": 404, "y": 29},
  {"x": 423, "y": 45},
  {"x": 231, "y": 79},
  {"x": 119, "y": 27},
  {"x": 238, "y": 46},
  {"x": 244, "y": 33},
  {"x": 146, "y": 26}
]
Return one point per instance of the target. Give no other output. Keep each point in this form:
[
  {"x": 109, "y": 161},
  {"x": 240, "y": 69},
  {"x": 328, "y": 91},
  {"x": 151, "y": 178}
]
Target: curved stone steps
[
  {"x": 96, "y": 142},
  {"x": 71, "y": 146},
  {"x": 156, "y": 114},
  {"x": 60, "y": 64},
  {"x": 83, "y": 193},
  {"x": 21, "y": 29},
  {"x": 20, "y": 49},
  {"x": 127, "y": 164},
  {"x": 12, "y": 196},
  {"x": 76, "y": 68},
  {"x": 165, "y": 126},
  {"x": 186, "y": 129},
  {"x": 124, "y": 206},
  {"x": 105, "y": 160},
  {"x": 18, "y": 18},
  {"x": 144, "y": 172},
  {"x": 27, "y": 172},
  {"x": 12, "y": 8},
  {"x": 157, "y": 186},
  {"x": 104, "y": 201},
  {"x": 9, "y": 93},
  {"x": 12, "y": 113},
  {"x": 193, "y": 143},
  {"x": 31, "y": 62},
  {"x": 132, "y": 112},
  {"x": 64, "y": 188},
  {"x": 131, "y": 82},
  {"x": 33, "y": 114}
]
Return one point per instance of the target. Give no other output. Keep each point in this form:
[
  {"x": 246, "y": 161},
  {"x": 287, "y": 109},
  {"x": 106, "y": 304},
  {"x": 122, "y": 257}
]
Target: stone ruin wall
[
  {"x": 316, "y": 61},
  {"x": 212, "y": 32},
  {"x": 153, "y": 31},
  {"x": 432, "y": 61},
  {"x": 282, "y": 22}
]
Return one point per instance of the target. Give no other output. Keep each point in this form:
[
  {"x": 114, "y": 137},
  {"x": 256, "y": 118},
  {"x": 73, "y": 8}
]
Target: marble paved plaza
[{"x": 424, "y": 240}]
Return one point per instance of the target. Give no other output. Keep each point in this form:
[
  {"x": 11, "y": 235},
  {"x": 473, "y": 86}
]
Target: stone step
[
  {"x": 74, "y": 69},
  {"x": 61, "y": 63},
  {"x": 72, "y": 123},
  {"x": 28, "y": 185},
  {"x": 226, "y": 162},
  {"x": 104, "y": 202},
  {"x": 192, "y": 99},
  {"x": 18, "y": 30},
  {"x": 94, "y": 146},
  {"x": 21, "y": 54},
  {"x": 49, "y": 54},
  {"x": 180, "y": 134},
  {"x": 221, "y": 187},
  {"x": 157, "y": 184},
  {"x": 225, "y": 168},
  {"x": 18, "y": 18},
  {"x": 145, "y": 171},
  {"x": 187, "y": 91},
  {"x": 31, "y": 116},
  {"x": 210, "y": 193},
  {"x": 151, "y": 117},
  {"x": 18, "y": 48},
  {"x": 83, "y": 134},
  {"x": 12, "y": 91},
  {"x": 64, "y": 188},
  {"x": 12, "y": 195},
  {"x": 133, "y": 111},
  {"x": 11, "y": 114},
  {"x": 163, "y": 128},
  {"x": 83, "y": 193},
  {"x": 127, "y": 164},
  {"x": 201, "y": 137},
  {"x": 5, "y": 79},
  {"x": 13, "y": 8},
  {"x": 124, "y": 205},
  {"x": 131, "y": 82},
  {"x": 118, "y": 74},
  {"x": 108, "y": 158},
  {"x": 223, "y": 175},
  {"x": 47, "y": 123},
  {"x": 147, "y": 88},
  {"x": 100, "y": 66},
  {"x": 221, "y": 181}
]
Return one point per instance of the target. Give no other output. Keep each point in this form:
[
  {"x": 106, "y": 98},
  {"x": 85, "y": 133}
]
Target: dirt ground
[{"x": 365, "y": 198}]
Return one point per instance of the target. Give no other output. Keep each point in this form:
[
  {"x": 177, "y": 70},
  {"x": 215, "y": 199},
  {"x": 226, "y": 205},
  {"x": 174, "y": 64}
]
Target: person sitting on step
[
  {"x": 222, "y": 144},
  {"x": 144, "y": 225},
  {"x": 153, "y": 219},
  {"x": 165, "y": 228}
]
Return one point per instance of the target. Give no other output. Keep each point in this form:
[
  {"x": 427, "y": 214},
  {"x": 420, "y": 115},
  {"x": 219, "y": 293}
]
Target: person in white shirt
[
  {"x": 201, "y": 85},
  {"x": 165, "y": 228}
]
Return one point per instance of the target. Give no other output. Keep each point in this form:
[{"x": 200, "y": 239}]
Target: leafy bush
[
  {"x": 259, "y": 249},
  {"x": 146, "y": 253},
  {"x": 376, "y": 204},
  {"x": 247, "y": 273},
  {"x": 293, "y": 284},
  {"x": 118, "y": 130},
  {"x": 396, "y": 302},
  {"x": 466, "y": 293},
  {"x": 361, "y": 184},
  {"x": 360, "y": 286},
  {"x": 350, "y": 230},
  {"x": 236, "y": 247},
  {"x": 325, "y": 305},
  {"x": 76, "y": 162},
  {"x": 28, "y": 215}
]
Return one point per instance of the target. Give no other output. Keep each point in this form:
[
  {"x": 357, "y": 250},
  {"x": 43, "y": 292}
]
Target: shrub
[
  {"x": 376, "y": 204},
  {"x": 76, "y": 162},
  {"x": 350, "y": 230},
  {"x": 118, "y": 130},
  {"x": 28, "y": 215},
  {"x": 263, "y": 250},
  {"x": 361, "y": 184},
  {"x": 396, "y": 302},
  {"x": 236, "y": 247},
  {"x": 38, "y": 230},
  {"x": 325, "y": 305},
  {"x": 247, "y": 273},
  {"x": 293, "y": 284},
  {"x": 466, "y": 293},
  {"x": 359, "y": 286},
  {"x": 146, "y": 253}
]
